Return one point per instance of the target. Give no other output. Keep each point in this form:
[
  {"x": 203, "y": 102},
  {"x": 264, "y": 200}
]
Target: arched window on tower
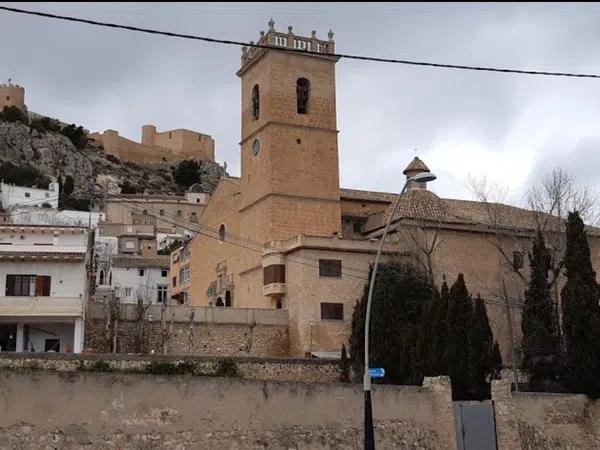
[
  {"x": 227, "y": 298},
  {"x": 303, "y": 94},
  {"x": 222, "y": 232},
  {"x": 255, "y": 102},
  {"x": 101, "y": 282}
]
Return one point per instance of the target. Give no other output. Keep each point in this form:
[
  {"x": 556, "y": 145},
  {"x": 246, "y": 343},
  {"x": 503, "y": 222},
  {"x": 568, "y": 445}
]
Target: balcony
[
  {"x": 274, "y": 289},
  {"x": 41, "y": 306}
]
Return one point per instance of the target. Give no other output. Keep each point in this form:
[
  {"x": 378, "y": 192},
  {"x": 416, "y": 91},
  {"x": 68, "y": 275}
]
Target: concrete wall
[
  {"x": 545, "y": 421},
  {"x": 103, "y": 410}
]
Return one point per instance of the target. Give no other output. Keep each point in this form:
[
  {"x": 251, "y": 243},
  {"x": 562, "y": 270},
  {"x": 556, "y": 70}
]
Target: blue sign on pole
[{"x": 377, "y": 372}]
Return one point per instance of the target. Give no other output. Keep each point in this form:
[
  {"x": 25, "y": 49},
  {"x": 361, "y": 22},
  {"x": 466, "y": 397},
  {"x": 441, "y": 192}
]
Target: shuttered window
[
  {"x": 28, "y": 285},
  {"x": 332, "y": 311},
  {"x": 330, "y": 267}
]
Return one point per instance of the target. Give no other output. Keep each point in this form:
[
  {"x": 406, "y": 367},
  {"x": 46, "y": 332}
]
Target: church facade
[{"x": 285, "y": 235}]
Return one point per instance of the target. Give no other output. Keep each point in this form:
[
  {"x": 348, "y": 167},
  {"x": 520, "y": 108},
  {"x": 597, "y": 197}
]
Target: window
[
  {"x": 178, "y": 213},
  {"x": 47, "y": 195},
  {"x": 222, "y": 232},
  {"x": 332, "y": 311},
  {"x": 28, "y": 285},
  {"x": 27, "y": 194},
  {"x": 330, "y": 268},
  {"x": 130, "y": 245},
  {"x": 302, "y": 93},
  {"x": 127, "y": 292},
  {"x": 357, "y": 227},
  {"x": 145, "y": 211},
  {"x": 141, "y": 272},
  {"x": 518, "y": 260},
  {"x": 227, "y": 298},
  {"x": 169, "y": 135},
  {"x": 164, "y": 273},
  {"x": 52, "y": 345},
  {"x": 174, "y": 281},
  {"x": 162, "y": 212},
  {"x": 255, "y": 102},
  {"x": 161, "y": 291}
]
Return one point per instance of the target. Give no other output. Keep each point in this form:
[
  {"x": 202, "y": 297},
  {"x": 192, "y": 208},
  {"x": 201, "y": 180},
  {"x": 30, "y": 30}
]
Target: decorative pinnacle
[
  {"x": 313, "y": 34},
  {"x": 271, "y": 25},
  {"x": 330, "y": 35},
  {"x": 290, "y": 29},
  {"x": 262, "y": 33}
]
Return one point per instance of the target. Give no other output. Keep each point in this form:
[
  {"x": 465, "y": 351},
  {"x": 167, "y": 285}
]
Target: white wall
[
  {"x": 68, "y": 278},
  {"x": 46, "y": 216},
  {"x": 39, "y": 332},
  {"x": 74, "y": 239},
  {"x": 12, "y": 195},
  {"x": 128, "y": 277}
]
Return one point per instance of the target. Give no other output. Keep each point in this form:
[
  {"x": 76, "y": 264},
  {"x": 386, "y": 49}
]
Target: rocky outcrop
[{"x": 54, "y": 154}]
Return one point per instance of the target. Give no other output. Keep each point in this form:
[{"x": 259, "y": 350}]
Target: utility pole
[{"x": 511, "y": 338}]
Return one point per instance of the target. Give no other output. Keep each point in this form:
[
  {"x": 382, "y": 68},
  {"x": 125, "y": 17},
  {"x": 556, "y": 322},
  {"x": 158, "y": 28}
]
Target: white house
[
  {"x": 43, "y": 280},
  {"x": 12, "y": 196},
  {"x": 133, "y": 277}
]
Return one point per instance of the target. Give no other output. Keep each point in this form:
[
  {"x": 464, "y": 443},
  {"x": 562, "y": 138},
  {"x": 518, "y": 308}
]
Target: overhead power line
[{"x": 291, "y": 50}]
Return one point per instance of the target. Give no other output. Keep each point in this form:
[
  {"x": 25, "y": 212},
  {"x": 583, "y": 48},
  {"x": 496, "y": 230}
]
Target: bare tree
[
  {"x": 165, "y": 331},
  {"x": 191, "y": 333},
  {"x": 426, "y": 244},
  {"x": 145, "y": 293}
]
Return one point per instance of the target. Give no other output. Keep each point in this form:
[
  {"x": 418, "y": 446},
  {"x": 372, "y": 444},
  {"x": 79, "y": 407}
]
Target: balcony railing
[{"x": 41, "y": 306}]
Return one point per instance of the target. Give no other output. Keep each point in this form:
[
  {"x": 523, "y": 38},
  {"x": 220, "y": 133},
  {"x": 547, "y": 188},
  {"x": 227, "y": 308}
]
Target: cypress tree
[
  {"x": 433, "y": 338},
  {"x": 540, "y": 348},
  {"x": 400, "y": 293},
  {"x": 481, "y": 351},
  {"x": 581, "y": 312},
  {"x": 459, "y": 317}
]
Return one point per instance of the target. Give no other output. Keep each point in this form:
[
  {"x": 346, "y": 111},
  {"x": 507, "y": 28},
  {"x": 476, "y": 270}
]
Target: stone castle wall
[
  {"x": 75, "y": 410},
  {"x": 183, "y": 147}
]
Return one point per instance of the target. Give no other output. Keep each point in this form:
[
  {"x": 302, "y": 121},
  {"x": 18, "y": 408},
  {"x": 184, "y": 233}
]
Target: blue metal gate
[{"x": 475, "y": 424}]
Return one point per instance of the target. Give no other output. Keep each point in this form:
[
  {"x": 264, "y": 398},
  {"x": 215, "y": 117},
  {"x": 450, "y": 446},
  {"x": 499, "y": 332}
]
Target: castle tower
[
  {"x": 148, "y": 135},
  {"x": 12, "y": 95},
  {"x": 289, "y": 150}
]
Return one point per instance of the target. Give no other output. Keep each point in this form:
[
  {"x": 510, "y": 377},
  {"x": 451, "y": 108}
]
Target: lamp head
[{"x": 423, "y": 177}]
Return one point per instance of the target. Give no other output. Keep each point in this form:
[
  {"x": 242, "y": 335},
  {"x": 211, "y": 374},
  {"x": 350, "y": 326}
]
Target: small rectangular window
[
  {"x": 27, "y": 194},
  {"x": 174, "y": 281},
  {"x": 164, "y": 273},
  {"x": 330, "y": 267},
  {"x": 161, "y": 291},
  {"x": 178, "y": 213},
  {"x": 162, "y": 212},
  {"x": 141, "y": 272},
  {"x": 332, "y": 311},
  {"x": 518, "y": 260}
]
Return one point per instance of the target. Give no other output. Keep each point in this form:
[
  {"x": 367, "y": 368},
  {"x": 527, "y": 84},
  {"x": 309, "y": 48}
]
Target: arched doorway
[
  {"x": 227, "y": 298},
  {"x": 219, "y": 301}
]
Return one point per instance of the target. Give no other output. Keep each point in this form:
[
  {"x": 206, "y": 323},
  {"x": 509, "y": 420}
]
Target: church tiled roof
[{"x": 416, "y": 165}]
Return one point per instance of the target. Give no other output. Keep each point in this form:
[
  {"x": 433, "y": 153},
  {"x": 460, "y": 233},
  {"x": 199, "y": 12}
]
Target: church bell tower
[{"x": 289, "y": 150}]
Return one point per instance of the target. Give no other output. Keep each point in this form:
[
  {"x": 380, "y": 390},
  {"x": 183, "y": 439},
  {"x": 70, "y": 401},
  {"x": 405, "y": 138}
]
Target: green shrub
[
  {"x": 76, "y": 135},
  {"x": 23, "y": 175},
  {"x": 169, "y": 368},
  {"x": 45, "y": 124},
  {"x": 13, "y": 114},
  {"x": 227, "y": 368}
]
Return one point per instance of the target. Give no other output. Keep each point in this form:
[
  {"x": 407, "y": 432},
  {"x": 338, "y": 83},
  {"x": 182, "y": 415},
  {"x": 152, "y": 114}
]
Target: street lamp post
[{"x": 422, "y": 177}]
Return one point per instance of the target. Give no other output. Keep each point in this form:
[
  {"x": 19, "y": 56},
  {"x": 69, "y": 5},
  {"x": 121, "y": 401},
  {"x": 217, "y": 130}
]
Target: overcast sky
[{"x": 511, "y": 128}]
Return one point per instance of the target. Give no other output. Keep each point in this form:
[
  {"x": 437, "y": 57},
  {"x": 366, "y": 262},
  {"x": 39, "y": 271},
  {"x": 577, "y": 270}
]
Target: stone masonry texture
[{"x": 85, "y": 410}]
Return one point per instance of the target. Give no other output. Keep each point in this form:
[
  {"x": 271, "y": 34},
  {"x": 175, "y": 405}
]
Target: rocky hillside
[{"x": 54, "y": 154}]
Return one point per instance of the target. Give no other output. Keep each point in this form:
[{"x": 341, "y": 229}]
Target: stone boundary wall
[
  {"x": 213, "y": 332},
  {"x": 282, "y": 369},
  {"x": 544, "y": 421},
  {"x": 83, "y": 410}
]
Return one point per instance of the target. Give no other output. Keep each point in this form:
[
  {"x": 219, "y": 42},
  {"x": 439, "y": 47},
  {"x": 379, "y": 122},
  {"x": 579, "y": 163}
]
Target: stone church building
[{"x": 286, "y": 235}]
